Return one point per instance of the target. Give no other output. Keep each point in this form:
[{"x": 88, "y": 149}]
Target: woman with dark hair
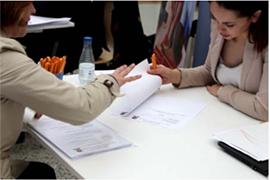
[
  {"x": 25, "y": 84},
  {"x": 236, "y": 67}
]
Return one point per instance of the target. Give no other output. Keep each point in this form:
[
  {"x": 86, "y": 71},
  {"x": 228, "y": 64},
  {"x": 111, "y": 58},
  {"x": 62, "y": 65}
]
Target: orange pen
[{"x": 154, "y": 61}]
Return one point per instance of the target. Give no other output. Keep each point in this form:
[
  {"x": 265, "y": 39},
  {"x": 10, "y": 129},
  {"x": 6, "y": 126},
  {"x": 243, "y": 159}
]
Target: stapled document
[{"x": 77, "y": 141}]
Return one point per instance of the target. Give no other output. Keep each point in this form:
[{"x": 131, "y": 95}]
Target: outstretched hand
[{"x": 120, "y": 74}]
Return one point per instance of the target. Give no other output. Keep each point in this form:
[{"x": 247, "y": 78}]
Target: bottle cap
[{"x": 87, "y": 39}]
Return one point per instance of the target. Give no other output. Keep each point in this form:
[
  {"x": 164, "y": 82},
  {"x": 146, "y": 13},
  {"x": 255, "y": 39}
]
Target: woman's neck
[{"x": 241, "y": 38}]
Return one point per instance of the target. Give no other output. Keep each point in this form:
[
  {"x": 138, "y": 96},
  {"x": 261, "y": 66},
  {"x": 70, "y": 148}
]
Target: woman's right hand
[
  {"x": 120, "y": 74},
  {"x": 167, "y": 75}
]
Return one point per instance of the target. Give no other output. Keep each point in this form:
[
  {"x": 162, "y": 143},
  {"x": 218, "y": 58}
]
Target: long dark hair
[{"x": 258, "y": 32}]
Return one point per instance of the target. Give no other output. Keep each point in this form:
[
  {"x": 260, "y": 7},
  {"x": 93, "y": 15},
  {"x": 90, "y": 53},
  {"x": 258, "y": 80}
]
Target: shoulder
[
  {"x": 8, "y": 44},
  {"x": 252, "y": 54},
  {"x": 11, "y": 52},
  {"x": 215, "y": 37},
  {"x": 214, "y": 31},
  {"x": 13, "y": 59},
  {"x": 265, "y": 55}
]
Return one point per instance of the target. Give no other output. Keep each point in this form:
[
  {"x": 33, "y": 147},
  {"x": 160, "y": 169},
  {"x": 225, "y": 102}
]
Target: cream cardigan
[{"x": 252, "y": 96}]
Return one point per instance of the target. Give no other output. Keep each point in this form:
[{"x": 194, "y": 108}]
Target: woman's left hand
[{"x": 213, "y": 89}]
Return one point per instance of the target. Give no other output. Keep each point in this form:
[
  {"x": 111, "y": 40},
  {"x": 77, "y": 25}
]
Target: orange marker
[{"x": 154, "y": 61}]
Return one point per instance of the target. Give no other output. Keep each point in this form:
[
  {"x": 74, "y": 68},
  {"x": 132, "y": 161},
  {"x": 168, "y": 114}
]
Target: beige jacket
[
  {"x": 252, "y": 95},
  {"x": 25, "y": 84}
]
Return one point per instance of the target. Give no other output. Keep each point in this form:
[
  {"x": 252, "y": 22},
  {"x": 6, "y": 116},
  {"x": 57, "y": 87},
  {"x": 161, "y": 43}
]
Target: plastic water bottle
[{"x": 86, "y": 63}]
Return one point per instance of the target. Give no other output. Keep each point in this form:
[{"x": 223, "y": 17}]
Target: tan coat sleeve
[
  {"x": 255, "y": 105},
  {"x": 25, "y": 82}
]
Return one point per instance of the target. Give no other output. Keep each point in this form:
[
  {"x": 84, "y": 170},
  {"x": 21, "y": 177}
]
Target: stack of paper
[
  {"x": 77, "y": 141},
  {"x": 38, "y": 23},
  {"x": 251, "y": 140}
]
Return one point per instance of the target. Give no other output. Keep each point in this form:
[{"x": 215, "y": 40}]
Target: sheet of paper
[
  {"x": 136, "y": 92},
  {"x": 78, "y": 141},
  {"x": 39, "y": 23},
  {"x": 156, "y": 111},
  {"x": 72, "y": 79},
  {"x": 251, "y": 140},
  {"x": 38, "y": 20}
]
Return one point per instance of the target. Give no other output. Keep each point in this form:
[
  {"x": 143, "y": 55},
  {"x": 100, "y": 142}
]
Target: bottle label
[{"x": 86, "y": 73}]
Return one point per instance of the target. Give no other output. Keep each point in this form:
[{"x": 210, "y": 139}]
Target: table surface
[{"x": 161, "y": 153}]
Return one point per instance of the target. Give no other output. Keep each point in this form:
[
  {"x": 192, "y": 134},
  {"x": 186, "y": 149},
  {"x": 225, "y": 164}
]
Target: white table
[{"x": 160, "y": 153}]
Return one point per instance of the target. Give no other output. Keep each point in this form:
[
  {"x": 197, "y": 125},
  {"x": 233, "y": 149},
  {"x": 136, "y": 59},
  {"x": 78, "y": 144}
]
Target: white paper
[
  {"x": 72, "y": 79},
  {"x": 38, "y": 23},
  {"x": 38, "y": 20},
  {"x": 78, "y": 141},
  {"x": 136, "y": 92},
  {"x": 251, "y": 140},
  {"x": 156, "y": 111}
]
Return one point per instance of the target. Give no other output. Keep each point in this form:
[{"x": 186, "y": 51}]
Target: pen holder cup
[
  {"x": 59, "y": 75},
  {"x": 55, "y": 65}
]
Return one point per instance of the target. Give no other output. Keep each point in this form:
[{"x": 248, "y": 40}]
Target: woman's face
[
  {"x": 229, "y": 25},
  {"x": 20, "y": 28}
]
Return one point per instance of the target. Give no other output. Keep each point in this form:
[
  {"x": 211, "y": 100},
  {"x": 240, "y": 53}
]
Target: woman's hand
[
  {"x": 213, "y": 89},
  {"x": 167, "y": 75},
  {"x": 120, "y": 74}
]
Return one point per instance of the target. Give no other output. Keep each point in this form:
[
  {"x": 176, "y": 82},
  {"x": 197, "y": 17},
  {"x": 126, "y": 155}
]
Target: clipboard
[{"x": 260, "y": 166}]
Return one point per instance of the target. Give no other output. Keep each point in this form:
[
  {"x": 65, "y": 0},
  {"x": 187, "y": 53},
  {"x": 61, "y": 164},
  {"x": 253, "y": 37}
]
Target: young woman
[
  {"x": 236, "y": 68},
  {"x": 25, "y": 84}
]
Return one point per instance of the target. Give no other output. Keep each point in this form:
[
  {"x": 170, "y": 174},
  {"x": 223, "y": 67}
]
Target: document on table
[
  {"x": 143, "y": 101},
  {"x": 167, "y": 111},
  {"x": 77, "y": 141},
  {"x": 251, "y": 140},
  {"x": 137, "y": 92},
  {"x": 134, "y": 93}
]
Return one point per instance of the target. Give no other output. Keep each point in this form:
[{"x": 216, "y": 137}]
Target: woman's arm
[
  {"x": 255, "y": 105},
  {"x": 25, "y": 82}
]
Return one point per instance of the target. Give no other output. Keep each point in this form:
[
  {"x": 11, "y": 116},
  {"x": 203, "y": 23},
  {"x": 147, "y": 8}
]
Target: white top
[{"x": 229, "y": 75}]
